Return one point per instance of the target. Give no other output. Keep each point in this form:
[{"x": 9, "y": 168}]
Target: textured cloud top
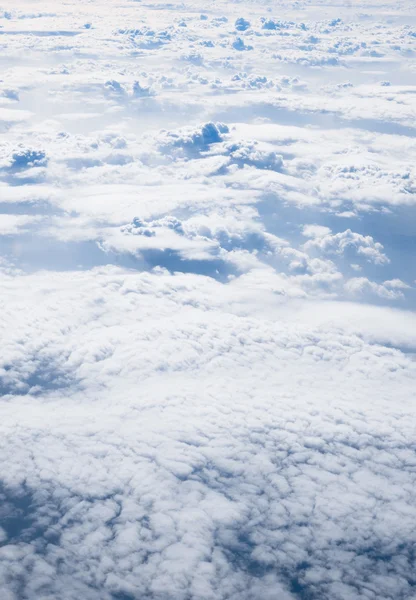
[{"x": 208, "y": 326}]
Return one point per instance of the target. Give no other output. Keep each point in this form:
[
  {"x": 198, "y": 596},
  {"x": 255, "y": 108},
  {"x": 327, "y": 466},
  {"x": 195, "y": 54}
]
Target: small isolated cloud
[
  {"x": 396, "y": 284},
  {"x": 315, "y": 231}
]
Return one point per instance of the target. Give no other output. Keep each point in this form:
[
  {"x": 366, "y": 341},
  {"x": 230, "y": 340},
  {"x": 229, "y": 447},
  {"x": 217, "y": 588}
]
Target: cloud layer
[{"x": 207, "y": 306}]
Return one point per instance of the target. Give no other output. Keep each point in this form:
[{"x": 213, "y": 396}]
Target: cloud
[
  {"x": 121, "y": 475},
  {"x": 12, "y": 224},
  {"x": 359, "y": 285},
  {"x": 194, "y": 140},
  {"x": 340, "y": 243},
  {"x": 316, "y": 231},
  {"x": 208, "y": 351}
]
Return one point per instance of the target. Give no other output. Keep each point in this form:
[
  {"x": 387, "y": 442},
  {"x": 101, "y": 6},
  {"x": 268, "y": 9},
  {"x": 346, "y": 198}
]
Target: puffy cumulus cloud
[
  {"x": 356, "y": 172},
  {"x": 388, "y": 289},
  {"x": 250, "y": 154},
  {"x": 167, "y": 233},
  {"x": 397, "y": 284},
  {"x": 208, "y": 140},
  {"x": 193, "y": 139},
  {"x": 204, "y": 228},
  {"x": 20, "y": 158},
  {"x": 340, "y": 243}
]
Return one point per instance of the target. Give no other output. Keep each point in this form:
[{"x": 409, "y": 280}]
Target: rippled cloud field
[{"x": 208, "y": 326}]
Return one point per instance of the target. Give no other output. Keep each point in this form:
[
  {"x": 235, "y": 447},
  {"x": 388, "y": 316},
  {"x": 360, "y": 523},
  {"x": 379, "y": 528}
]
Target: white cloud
[
  {"x": 340, "y": 243},
  {"x": 360, "y": 285},
  {"x": 206, "y": 391},
  {"x": 397, "y": 284},
  {"x": 133, "y": 466},
  {"x": 12, "y": 224},
  {"x": 315, "y": 231}
]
